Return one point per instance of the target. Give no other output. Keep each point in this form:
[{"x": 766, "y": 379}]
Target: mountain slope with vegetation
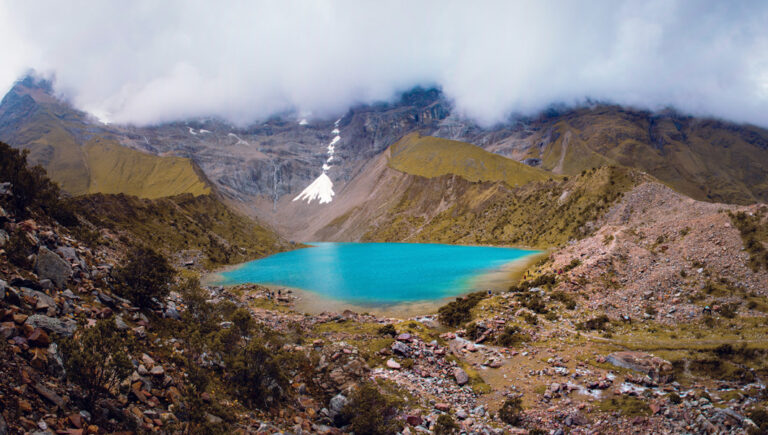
[
  {"x": 200, "y": 229},
  {"x": 431, "y": 157},
  {"x": 707, "y": 160},
  {"x": 83, "y": 157},
  {"x": 446, "y": 202}
]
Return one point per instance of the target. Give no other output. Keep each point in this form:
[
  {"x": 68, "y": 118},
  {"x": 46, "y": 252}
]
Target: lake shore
[{"x": 310, "y": 302}]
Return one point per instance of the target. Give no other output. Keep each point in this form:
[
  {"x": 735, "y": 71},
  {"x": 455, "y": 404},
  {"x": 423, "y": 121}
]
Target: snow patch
[
  {"x": 239, "y": 141},
  {"x": 320, "y": 189},
  {"x": 192, "y": 131},
  {"x": 303, "y": 122}
]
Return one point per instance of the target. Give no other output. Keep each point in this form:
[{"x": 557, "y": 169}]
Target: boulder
[
  {"x": 50, "y": 266},
  {"x": 337, "y": 404},
  {"x": 461, "y": 376},
  {"x": 70, "y": 254},
  {"x": 401, "y": 348},
  {"x": 404, "y": 337},
  {"x": 65, "y": 327},
  {"x": 393, "y": 364},
  {"x": 653, "y": 366}
]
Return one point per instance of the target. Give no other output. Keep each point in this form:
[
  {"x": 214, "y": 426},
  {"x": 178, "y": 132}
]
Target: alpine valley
[{"x": 646, "y": 311}]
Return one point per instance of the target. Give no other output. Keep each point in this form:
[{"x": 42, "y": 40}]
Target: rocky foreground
[{"x": 655, "y": 323}]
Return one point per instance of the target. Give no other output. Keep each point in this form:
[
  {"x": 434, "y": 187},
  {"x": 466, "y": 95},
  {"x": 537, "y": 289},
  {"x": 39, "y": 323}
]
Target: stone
[
  {"x": 213, "y": 419},
  {"x": 652, "y": 366},
  {"x": 401, "y": 348},
  {"x": 337, "y": 404},
  {"x": 65, "y": 327},
  {"x": 3, "y": 286},
  {"x": 50, "y": 266},
  {"x": 39, "y": 338},
  {"x": 3, "y": 238},
  {"x": 404, "y": 337},
  {"x": 460, "y": 376},
  {"x": 393, "y": 364},
  {"x": 43, "y": 300},
  {"x": 413, "y": 420},
  {"x": 444, "y": 407},
  {"x": 462, "y": 414},
  {"x": 157, "y": 370},
  {"x": 49, "y": 395}
]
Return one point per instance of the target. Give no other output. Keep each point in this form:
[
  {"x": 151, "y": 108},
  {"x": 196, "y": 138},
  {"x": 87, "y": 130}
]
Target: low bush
[
  {"x": 445, "y": 425},
  {"x": 145, "y": 275},
  {"x": 600, "y": 323},
  {"x": 511, "y": 336},
  {"x": 511, "y": 411},
  {"x": 459, "y": 311},
  {"x": 370, "y": 412},
  {"x": 96, "y": 359},
  {"x": 388, "y": 330}
]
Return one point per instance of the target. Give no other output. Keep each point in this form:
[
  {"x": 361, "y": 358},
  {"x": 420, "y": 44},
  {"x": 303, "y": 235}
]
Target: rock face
[
  {"x": 460, "y": 376},
  {"x": 65, "y": 327},
  {"x": 652, "y": 366},
  {"x": 51, "y": 266}
]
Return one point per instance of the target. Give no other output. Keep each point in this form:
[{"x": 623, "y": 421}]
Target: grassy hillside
[
  {"x": 83, "y": 158},
  {"x": 705, "y": 159},
  {"x": 538, "y": 214},
  {"x": 182, "y": 223},
  {"x": 431, "y": 157},
  {"x": 117, "y": 169}
]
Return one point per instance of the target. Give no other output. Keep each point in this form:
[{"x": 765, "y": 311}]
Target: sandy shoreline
[{"x": 314, "y": 303}]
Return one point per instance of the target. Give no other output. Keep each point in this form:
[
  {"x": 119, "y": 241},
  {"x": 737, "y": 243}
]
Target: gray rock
[
  {"x": 64, "y": 327},
  {"x": 337, "y": 404},
  {"x": 47, "y": 284},
  {"x": 3, "y": 426},
  {"x": 401, "y": 348},
  {"x": 51, "y": 266},
  {"x": 462, "y": 414},
  {"x": 3, "y": 238},
  {"x": 55, "y": 362},
  {"x": 171, "y": 313},
  {"x": 213, "y": 419},
  {"x": 41, "y": 297},
  {"x": 460, "y": 376},
  {"x": 120, "y": 323},
  {"x": 3, "y": 286},
  {"x": 70, "y": 254}
]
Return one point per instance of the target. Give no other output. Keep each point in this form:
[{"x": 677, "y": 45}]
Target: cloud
[{"x": 146, "y": 61}]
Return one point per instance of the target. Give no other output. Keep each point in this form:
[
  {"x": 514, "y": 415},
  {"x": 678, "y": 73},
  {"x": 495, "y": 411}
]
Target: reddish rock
[
  {"x": 413, "y": 420},
  {"x": 39, "y": 338},
  {"x": 445, "y": 407}
]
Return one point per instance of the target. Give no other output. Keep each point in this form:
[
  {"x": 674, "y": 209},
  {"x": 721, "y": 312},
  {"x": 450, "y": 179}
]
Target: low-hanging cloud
[{"x": 146, "y": 61}]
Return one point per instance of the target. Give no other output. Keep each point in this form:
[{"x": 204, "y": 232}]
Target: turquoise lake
[{"x": 377, "y": 274}]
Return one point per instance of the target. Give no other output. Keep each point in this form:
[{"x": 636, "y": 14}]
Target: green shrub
[
  {"x": 144, "y": 276},
  {"x": 96, "y": 358},
  {"x": 457, "y": 312},
  {"x": 473, "y": 331},
  {"x": 511, "y": 336},
  {"x": 256, "y": 376},
  {"x": 388, "y": 329},
  {"x": 547, "y": 281},
  {"x": 445, "y": 425},
  {"x": 370, "y": 412},
  {"x": 566, "y": 299},
  {"x": 530, "y": 318},
  {"x": 533, "y": 301},
  {"x": 511, "y": 411},
  {"x": 675, "y": 398},
  {"x": 759, "y": 416},
  {"x": 600, "y": 322},
  {"x": 19, "y": 248}
]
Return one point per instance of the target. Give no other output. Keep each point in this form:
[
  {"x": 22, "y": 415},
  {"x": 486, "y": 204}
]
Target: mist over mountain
[{"x": 157, "y": 62}]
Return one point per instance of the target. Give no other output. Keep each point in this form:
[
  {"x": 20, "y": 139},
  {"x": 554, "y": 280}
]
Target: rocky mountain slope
[
  {"x": 260, "y": 165},
  {"x": 84, "y": 156},
  {"x": 652, "y": 323}
]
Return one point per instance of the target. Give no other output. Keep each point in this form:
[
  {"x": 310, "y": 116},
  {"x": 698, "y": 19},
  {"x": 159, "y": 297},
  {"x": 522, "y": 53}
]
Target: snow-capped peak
[{"x": 320, "y": 189}]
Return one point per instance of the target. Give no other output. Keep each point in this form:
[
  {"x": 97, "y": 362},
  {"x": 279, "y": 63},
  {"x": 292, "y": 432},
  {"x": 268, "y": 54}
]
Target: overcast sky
[{"x": 153, "y": 61}]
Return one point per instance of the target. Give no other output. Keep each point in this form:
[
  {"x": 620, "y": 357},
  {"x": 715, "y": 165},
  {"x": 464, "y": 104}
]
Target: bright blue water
[{"x": 377, "y": 273}]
